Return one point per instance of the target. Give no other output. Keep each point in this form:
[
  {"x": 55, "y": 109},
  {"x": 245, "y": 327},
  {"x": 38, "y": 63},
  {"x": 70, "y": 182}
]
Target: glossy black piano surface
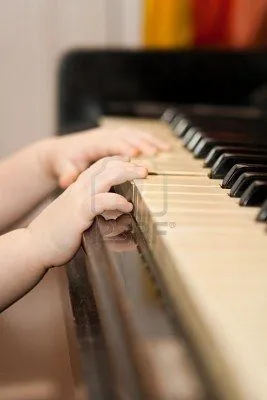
[{"x": 145, "y": 82}]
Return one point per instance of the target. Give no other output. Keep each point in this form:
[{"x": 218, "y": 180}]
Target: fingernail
[
  {"x": 130, "y": 207},
  {"x": 133, "y": 152},
  {"x": 143, "y": 171}
]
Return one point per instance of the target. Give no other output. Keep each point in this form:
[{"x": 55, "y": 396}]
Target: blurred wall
[
  {"x": 26, "y": 48},
  {"x": 33, "y": 35},
  {"x": 34, "y": 338}
]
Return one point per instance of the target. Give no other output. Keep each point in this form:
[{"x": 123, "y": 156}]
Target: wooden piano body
[{"x": 141, "y": 333}]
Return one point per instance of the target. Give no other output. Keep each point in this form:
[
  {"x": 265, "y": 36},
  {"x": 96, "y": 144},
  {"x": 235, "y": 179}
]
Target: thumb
[{"x": 68, "y": 173}]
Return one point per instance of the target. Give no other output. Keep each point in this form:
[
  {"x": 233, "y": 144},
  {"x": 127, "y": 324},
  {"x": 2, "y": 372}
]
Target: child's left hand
[{"x": 67, "y": 156}]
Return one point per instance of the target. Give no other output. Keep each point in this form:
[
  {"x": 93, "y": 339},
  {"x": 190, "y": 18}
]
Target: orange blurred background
[{"x": 205, "y": 23}]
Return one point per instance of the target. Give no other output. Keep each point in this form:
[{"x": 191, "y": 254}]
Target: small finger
[
  {"x": 142, "y": 145},
  {"x": 126, "y": 148},
  {"x": 121, "y": 176},
  {"x": 68, "y": 173},
  {"x": 111, "y": 215},
  {"x": 113, "y": 227},
  {"x": 108, "y": 172},
  {"x": 159, "y": 143},
  {"x": 103, "y": 202}
]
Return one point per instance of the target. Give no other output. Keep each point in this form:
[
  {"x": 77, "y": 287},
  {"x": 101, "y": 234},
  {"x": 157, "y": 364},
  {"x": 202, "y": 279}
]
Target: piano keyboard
[{"x": 211, "y": 252}]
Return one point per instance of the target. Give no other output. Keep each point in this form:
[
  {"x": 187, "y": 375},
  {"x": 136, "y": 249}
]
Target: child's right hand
[{"x": 56, "y": 233}]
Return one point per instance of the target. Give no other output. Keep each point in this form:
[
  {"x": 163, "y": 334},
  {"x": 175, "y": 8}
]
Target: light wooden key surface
[{"x": 213, "y": 259}]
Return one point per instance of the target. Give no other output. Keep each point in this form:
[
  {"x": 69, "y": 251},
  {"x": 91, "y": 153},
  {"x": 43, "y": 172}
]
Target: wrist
[
  {"x": 45, "y": 159},
  {"x": 34, "y": 250},
  {"x": 34, "y": 261}
]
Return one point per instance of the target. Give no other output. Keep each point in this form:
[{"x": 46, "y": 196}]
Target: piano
[{"x": 170, "y": 302}]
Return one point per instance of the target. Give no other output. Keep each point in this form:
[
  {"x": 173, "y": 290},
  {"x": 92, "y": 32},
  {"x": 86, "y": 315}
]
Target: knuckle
[
  {"x": 116, "y": 170},
  {"x": 98, "y": 203}
]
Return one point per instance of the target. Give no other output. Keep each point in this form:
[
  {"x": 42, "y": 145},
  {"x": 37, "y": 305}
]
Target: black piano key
[
  {"x": 244, "y": 181},
  {"x": 228, "y": 137},
  {"x": 262, "y": 215},
  {"x": 194, "y": 141},
  {"x": 177, "y": 121},
  {"x": 189, "y": 135},
  {"x": 209, "y": 140},
  {"x": 217, "y": 151},
  {"x": 237, "y": 170},
  {"x": 179, "y": 118},
  {"x": 254, "y": 195},
  {"x": 181, "y": 127},
  {"x": 206, "y": 144},
  {"x": 226, "y": 161},
  {"x": 169, "y": 115},
  {"x": 223, "y": 138},
  {"x": 179, "y": 124},
  {"x": 225, "y": 129}
]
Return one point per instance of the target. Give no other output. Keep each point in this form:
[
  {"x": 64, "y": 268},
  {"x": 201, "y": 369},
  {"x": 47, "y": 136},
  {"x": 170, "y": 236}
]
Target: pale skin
[{"x": 54, "y": 236}]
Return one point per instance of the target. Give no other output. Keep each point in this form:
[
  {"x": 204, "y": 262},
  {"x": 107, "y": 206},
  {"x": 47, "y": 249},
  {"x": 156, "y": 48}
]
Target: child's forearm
[
  {"x": 20, "y": 268},
  {"x": 54, "y": 236},
  {"x": 24, "y": 182}
]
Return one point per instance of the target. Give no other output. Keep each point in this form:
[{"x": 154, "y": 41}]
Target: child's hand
[
  {"x": 56, "y": 233},
  {"x": 68, "y": 156}
]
